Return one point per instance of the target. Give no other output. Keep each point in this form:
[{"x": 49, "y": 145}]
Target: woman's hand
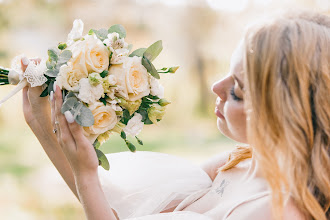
[
  {"x": 76, "y": 147},
  {"x": 36, "y": 109}
]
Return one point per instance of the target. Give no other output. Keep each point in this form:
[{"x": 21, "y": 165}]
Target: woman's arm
[
  {"x": 84, "y": 163},
  {"x": 38, "y": 116}
]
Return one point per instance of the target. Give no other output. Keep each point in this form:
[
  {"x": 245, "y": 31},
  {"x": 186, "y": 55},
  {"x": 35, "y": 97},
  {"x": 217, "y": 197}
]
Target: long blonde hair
[{"x": 287, "y": 101}]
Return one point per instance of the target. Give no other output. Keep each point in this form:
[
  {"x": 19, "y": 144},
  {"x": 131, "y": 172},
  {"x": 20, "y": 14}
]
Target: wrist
[{"x": 86, "y": 178}]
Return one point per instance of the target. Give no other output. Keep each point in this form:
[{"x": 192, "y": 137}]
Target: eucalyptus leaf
[
  {"x": 118, "y": 28},
  {"x": 53, "y": 54},
  {"x": 50, "y": 64},
  {"x": 103, "y": 160},
  {"x": 64, "y": 57},
  {"x": 52, "y": 72},
  {"x": 150, "y": 67},
  {"x": 83, "y": 116},
  {"x": 69, "y": 95},
  {"x": 69, "y": 104},
  {"x": 153, "y": 51},
  {"x": 139, "y": 52},
  {"x": 100, "y": 34}
]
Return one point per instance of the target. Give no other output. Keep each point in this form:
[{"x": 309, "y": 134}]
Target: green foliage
[
  {"x": 138, "y": 52},
  {"x": 103, "y": 160},
  {"x": 153, "y": 51},
  {"x": 150, "y": 67},
  {"x": 62, "y": 46},
  {"x": 139, "y": 140},
  {"x": 104, "y": 73},
  {"x": 101, "y": 34},
  {"x": 123, "y": 135},
  {"x": 82, "y": 115},
  {"x": 130, "y": 146},
  {"x": 118, "y": 28}
]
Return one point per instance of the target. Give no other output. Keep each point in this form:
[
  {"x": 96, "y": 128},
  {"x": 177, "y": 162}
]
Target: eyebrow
[{"x": 240, "y": 84}]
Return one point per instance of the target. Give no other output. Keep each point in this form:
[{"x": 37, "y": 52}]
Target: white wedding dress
[{"x": 142, "y": 184}]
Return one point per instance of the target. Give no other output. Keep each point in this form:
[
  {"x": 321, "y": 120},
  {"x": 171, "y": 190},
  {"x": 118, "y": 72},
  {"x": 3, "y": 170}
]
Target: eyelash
[{"x": 234, "y": 96}]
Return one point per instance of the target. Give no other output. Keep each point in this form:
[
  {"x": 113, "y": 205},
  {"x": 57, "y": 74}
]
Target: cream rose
[
  {"x": 68, "y": 78},
  {"x": 105, "y": 119},
  {"x": 132, "y": 77},
  {"x": 90, "y": 55}
]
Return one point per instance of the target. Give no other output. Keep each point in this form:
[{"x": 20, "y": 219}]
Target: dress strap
[{"x": 249, "y": 199}]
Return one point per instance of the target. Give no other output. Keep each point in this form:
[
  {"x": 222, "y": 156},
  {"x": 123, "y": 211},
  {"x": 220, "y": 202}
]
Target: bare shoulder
[
  {"x": 211, "y": 165},
  {"x": 261, "y": 208}
]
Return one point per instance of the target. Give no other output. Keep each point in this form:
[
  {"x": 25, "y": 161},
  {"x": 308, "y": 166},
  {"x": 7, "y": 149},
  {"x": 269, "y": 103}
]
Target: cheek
[{"x": 236, "y": 120}]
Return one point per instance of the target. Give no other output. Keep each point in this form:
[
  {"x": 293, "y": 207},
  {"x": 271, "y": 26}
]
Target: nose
[{"x": 219, "y": 89}]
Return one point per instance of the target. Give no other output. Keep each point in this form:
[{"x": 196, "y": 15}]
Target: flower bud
[
  {"x": 94, "y": 79},
  {"x": 131, "y": 106},
  {"x": 62, "y": 46},
  {"x": 104, "y": 137},
  {"x": 156, "y": 113},
  {"x": 163, "y": 102},
  {"x": 118, "y": 127},
  {"x": 173, "y": 69}
]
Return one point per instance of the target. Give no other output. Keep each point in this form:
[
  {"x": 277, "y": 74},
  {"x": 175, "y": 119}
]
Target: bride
[{"x": 275, "y": 98}]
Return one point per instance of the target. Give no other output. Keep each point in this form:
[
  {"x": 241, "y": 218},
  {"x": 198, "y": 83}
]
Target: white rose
[
  {"x": 76, "y": 32},
  {"x": 105, "y": 119},
  {"x": 156, "y": 89},
  {"x": 68, "y": 78},
  {"x": 134, "y": 125},
  {"x": 88, "y": 93},
  {"x": 132, "y": 78}
]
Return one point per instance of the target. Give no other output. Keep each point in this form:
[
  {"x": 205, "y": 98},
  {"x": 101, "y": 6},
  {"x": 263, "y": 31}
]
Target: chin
[{"x": 223, "y": 128}]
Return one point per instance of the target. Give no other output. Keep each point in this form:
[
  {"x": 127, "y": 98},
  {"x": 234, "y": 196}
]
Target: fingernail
[
  {"x": 69, "y": 117},
  {"x": 54, "y": 86},
  {"x": 51, "y": 95},
  {"x": 25, "y": 60}
]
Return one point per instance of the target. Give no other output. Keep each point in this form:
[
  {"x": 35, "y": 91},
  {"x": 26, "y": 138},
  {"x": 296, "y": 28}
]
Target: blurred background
[{"x": 198, "y": 35}]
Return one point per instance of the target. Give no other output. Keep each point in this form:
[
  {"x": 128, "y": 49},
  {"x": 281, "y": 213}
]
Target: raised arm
[
  {"x": 84, "y": 163},
  {"x": 38, "y": 116}
]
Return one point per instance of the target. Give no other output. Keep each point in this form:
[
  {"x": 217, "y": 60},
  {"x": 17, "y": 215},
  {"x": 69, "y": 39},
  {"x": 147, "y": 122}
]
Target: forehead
[{"x": 236, "y": 61}]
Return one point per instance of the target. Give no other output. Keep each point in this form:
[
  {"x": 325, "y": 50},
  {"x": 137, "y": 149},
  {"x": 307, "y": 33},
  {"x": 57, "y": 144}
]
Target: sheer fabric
[{"x": 142, "y": 184}]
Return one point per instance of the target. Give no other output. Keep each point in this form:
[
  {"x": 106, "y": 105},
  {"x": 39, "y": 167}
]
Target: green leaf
[
  {"x": 139, "y": 52},
  {"x": 52, "y": 72},
  {"x": 69, "y": 104},
  {"x": 100, "y": 34},
  {"x": 103, "y": 160},
  {"x": 104, "y": 73},
  {"x": 64, "y": 57},
  {"x": 96, "y": 144},
  {"x": 153, "y": 51},
  {"x": 53, "y": 55},
  {"x": 83, "y": 115},
  {"x": 123, "y": 135},
  {"x": 118, "y": 28},
  {"x": 150, "y": 67},
  {"x": 69, "y": 95},
  {"x": 130, "y": 146},
  {"x": 50, "y": 64},
  {"x": 139, "y": 140},
  {"x": 44, "y": 93},
  {"x": 62, "y": 46}
]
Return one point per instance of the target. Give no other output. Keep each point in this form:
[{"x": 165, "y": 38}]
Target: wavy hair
[{"x": 287, "y": 101}]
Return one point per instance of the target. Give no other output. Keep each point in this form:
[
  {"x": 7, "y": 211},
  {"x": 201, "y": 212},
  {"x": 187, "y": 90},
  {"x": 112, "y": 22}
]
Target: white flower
[
  {"x": 134, "y": 125},
  {"x": 156, "y": 89},
  {"x": 132, "y": 78},
  {"x": 69, "y": 77},
  {"x": 88, "y": 93},
  {"x": 119, "y": 55},
  {"x": 76, "y": 32}
]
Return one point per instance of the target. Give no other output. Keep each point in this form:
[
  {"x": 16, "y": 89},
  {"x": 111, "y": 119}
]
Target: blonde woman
[{"x": 275, "y": 98}]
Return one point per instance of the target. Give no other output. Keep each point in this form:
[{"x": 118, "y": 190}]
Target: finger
[
  {"x": 26, "y": 103},
  {"x": 64, "y": 131},
  {"x": 24, "y": 62},
  {"x": 76, "y": 130}
]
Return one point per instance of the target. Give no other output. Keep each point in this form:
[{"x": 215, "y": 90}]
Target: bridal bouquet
[{"x": 107, "y": 88}]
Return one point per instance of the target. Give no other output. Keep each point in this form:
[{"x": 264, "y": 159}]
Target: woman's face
[{"x": 231, "y": 118}]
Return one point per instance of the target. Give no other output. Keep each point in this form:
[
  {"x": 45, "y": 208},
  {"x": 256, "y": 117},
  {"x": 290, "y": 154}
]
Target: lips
[{"x": 218, "y": 113}]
